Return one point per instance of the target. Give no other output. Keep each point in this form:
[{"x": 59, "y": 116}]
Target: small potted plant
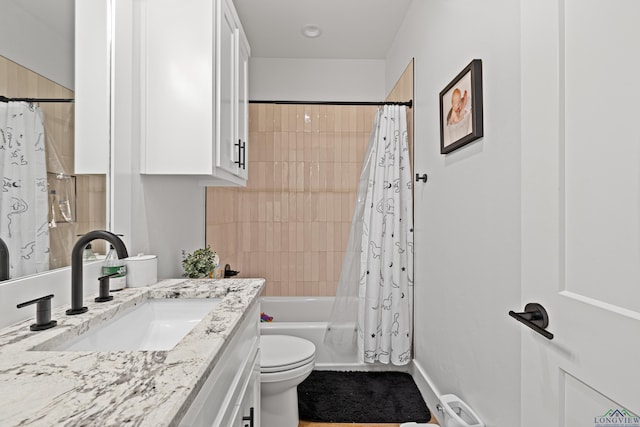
[{"x": 201, "y": 263}]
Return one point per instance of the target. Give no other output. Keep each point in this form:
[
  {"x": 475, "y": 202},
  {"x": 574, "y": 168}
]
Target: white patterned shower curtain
[
  {"x": 23, "y": 205},
  {"x": 377, "y": 271}
]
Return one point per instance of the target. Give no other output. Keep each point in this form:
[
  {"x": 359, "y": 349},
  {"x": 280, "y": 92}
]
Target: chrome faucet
[
  {"x": 4, "y": 261},
  {"x": 76, "y": 264}
]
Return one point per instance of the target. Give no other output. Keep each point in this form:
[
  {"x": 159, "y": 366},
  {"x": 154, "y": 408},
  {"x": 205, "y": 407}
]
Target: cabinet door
[
  {"x": 227, "y": 148},
  {"x": 243, "y": 104},
  {"x": 248, "y": 414}
]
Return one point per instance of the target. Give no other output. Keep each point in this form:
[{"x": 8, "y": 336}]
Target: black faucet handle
[
  {"x": 104, "y": 287},
  {"x": 43, "y": 313}
]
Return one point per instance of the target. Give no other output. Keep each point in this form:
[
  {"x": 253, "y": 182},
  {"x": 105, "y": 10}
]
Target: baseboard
[{"x": 427, "y": 389}]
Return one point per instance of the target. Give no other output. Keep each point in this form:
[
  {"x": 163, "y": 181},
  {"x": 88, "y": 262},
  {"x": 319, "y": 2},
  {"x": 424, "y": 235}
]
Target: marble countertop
[{"x": 136, "y": 388}]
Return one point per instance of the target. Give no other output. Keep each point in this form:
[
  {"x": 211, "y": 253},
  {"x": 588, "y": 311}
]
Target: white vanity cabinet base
[{"x": 233, "y": 386}]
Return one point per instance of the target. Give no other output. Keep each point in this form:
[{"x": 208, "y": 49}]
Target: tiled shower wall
[{"x": 291, "y": 223}]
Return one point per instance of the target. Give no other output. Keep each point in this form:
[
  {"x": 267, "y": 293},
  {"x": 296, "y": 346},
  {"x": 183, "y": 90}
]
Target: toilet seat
[{"x": 279, "y": 353}]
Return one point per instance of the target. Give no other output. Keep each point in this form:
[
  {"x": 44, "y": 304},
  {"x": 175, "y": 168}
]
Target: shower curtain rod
[
  {"x": 5, "y": 99},
  {"x": 407, "y": 103}
]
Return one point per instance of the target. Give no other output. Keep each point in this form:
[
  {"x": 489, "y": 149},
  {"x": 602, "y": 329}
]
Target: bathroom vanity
[{"x": 210, "y": 377}]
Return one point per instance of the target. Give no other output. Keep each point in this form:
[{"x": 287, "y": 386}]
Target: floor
[{"x": 312, "y": 424}]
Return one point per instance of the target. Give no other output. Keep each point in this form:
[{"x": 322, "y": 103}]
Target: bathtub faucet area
[{"x": 76, "y": 264}]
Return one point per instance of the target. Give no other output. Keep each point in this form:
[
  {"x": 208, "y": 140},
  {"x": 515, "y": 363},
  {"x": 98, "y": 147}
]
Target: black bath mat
[{"x": 361, "y": 397}]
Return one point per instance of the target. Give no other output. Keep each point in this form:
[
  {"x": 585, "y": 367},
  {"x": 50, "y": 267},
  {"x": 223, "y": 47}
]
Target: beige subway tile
[
  {"x": 315, "y": 147},
  {"x": 309, "y": 214},
  {"x": 269, "y": 268},
  {"x": 292, "y": 114},
  {"x": 299, "y": 122},
  {"x": 331, "y": 117},
  {"x": 321, "y": 206},
  {"x": 315, "y": 267},
  {"x": 307, "y": 243},
  {"x": 268, "y": 236},
  {"x": 353, "y": 141},
  {"x": 330, "y": 176},
  {"x": 330, "y": 266},
  {"x": 277, "y": 118},
  {"x": 292, "y": 240},
  {"x": 308, "y": 267},
  {"x": 314, "y": 113},
  {"x": 314, "y": 236},
  {"x": 293, "y": 207},
  {"x": 322, "y": 291},
  {"x": 292, "y": 260},
  {"x": 360, "y": 120},
  {"x": 299, "y": 267},
  {"x": 300, "y": 206},
  {"x": 284, "y": 117},
  {"x": 268, "y": 118},
  {"x": 330, "y": 236},
  {"x": 277, "y": 237},
  {"x": 322, "y": 266},
  {"x": 292, "y": 147},
  {"x": 262, "y": 210},
  {"x": 322, "y": 118},
  {"x": 322, "y": 236},
  {"x": 337, "y": 118},
  {"x": 300, "y": 154},
  {"x": 257, "y": 238},
  {"x": 253, "y": 117},
  {"x": 268, "y": 183},
  {"x": 277, "y": 146},
  {"x": 262, "y": 115},
  {"x": 277, "y": 207},
  {"x": 284, "y": 207},
  {"x": 308, "y": 118},
  {"x": 300, "y": 237}
]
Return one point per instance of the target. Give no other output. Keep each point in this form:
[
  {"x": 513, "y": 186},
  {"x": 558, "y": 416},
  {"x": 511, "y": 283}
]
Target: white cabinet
[
  {"x": 193, "y": 71},
  {"x": 233, "y": 386}
]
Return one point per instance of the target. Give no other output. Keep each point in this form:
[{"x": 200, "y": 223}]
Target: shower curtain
[
  {"x": 373, "y": 311},
  {"x": 23, "y": 205}
]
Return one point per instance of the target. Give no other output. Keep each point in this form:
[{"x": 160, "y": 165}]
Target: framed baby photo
[{"x": 461, "y": 109}]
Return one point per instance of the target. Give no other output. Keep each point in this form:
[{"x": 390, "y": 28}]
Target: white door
[{"x": 581, "y": 211}]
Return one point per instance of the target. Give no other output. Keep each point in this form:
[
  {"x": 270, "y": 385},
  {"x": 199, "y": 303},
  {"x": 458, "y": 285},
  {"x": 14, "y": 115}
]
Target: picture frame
[{"x": 461, "y": 109}]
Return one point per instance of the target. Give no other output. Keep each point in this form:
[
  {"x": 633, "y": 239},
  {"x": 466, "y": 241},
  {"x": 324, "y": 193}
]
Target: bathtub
[{"x": 306, "y": 317}]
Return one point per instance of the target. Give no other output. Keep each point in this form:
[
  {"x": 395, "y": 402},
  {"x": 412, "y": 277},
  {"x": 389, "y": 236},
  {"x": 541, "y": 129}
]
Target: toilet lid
[{"x": 283, "y": 352}]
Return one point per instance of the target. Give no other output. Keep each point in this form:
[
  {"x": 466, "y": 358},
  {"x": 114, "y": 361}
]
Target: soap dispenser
[{"x": 112, "y": 264}]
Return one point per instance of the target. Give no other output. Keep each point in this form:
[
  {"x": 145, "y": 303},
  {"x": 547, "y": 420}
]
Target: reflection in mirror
[{"x": 44, "y": 204}]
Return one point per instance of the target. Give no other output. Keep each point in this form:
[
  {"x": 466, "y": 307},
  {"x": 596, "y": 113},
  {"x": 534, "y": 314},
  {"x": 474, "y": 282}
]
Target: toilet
[
  {"x": 285, "y": 362},
  {"x": 457, "y": 413}
]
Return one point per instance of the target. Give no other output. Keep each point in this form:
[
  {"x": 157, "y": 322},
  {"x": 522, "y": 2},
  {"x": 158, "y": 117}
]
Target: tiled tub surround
[{"x": 141, "y": 388}]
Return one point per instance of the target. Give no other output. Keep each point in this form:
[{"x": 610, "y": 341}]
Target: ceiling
[{"x": 351, "y": 29}]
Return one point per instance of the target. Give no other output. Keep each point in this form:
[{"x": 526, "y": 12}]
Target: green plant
[{"x": 201, "y": 263}]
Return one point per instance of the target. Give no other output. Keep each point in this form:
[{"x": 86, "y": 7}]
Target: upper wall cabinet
[{"x": 194, "y": 103}]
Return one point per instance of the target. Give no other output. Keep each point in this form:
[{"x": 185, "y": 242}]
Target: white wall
[
  {"x": 160, "y": 215},
  {"x": 316, "y": 79},
  {"x": 37, "y": 44},
  {"x": 467, "y": 217}
]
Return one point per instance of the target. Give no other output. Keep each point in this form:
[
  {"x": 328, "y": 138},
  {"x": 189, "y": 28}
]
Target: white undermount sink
[{"x": 155, "y": 324}]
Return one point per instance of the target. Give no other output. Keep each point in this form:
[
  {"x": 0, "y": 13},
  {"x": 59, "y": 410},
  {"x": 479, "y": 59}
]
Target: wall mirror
[{"x": 37, "y": 61}]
